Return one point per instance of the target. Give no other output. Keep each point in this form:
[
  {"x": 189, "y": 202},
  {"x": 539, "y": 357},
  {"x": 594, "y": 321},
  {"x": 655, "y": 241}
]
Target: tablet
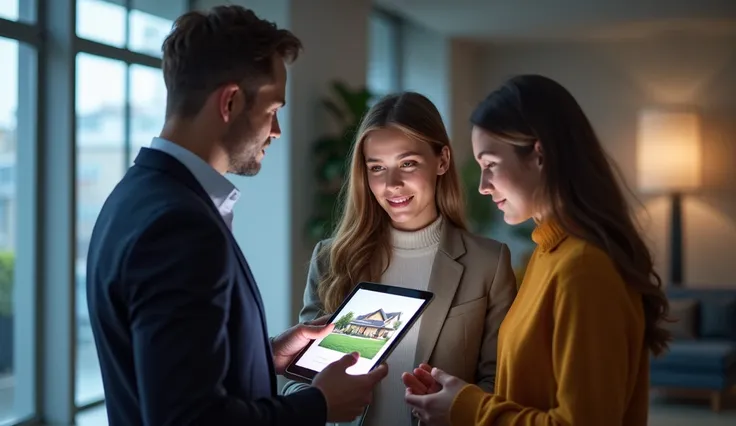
[{"x": 371, "y": 321}]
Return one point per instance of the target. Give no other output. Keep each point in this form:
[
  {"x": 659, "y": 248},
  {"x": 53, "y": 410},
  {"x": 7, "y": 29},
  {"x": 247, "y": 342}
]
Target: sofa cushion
[
  {"x": 686, "y": 380},
  {"x": 718, "y": 318},
  {"x": 684, "y": 314},
  {"x": 711, "y": 356}
]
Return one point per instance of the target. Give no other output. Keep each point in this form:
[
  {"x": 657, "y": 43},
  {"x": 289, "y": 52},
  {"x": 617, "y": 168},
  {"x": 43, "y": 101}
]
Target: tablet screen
[{"x": 368, "y": 323}]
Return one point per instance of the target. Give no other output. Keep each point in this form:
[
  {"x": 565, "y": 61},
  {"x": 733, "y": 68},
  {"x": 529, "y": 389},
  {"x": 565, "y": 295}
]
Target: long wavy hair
[
  {"x": 360, "y": 249},
  {"x": 579, "y": 182}
]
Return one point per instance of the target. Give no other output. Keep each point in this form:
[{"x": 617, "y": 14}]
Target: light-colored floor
[
  {"x": 662, "y": 413},
  {"x": 677, "y": 412}
]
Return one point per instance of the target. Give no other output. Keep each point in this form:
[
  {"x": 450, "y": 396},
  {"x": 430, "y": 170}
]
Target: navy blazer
[{"x": 177, "y": 317}]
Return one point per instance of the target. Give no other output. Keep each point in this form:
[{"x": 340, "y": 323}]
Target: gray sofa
[{"x": 702, "y": 356}]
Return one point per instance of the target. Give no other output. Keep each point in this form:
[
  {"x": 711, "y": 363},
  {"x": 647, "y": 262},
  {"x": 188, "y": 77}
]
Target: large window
[
  {"x": 147, "y": 106},
  {"x": 17, "y": 301},
  {"x": 142, "y": 28},
  {"x": 18, "y": 10},
  {"x": 103, "y": 133},
  {"x": 384, "y": 55},
  {"x": 71, "y": 123},
  {"x": 120, "y": 106},
  {"x": 100, "y": 111}
]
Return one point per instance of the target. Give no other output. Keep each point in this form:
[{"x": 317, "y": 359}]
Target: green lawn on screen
[{"x": 367, "y": 348}]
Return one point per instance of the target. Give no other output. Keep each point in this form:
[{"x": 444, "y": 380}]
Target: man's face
[{"x": 253, "y": 128}]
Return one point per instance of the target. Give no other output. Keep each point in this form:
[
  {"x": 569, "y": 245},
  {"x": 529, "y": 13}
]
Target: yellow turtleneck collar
[{"x": 548, "y": 235}]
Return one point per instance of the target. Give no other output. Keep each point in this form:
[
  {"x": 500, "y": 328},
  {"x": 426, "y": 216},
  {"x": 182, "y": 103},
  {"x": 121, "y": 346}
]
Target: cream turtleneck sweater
[{"x": 411, "y": 264}]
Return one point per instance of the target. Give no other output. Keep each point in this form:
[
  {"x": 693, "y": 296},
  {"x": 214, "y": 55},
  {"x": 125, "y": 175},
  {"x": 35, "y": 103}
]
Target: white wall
[
  {"x": 612, "y": 81},
  {"x": 335, "y": 36},
  {"x": 271, "y": 215},
  {"x": 465, "y": 80}
]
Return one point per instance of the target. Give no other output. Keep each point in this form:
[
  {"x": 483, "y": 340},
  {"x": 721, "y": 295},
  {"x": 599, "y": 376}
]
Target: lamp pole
[{"x": 676, "y": 240}]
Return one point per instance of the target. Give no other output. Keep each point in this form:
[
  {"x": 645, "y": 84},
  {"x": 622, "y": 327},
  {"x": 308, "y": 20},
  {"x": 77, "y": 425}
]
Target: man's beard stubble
[{"x": 243, "y": 147}]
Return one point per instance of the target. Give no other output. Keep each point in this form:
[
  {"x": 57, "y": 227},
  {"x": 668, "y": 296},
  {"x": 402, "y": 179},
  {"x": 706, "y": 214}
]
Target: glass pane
[
  {"x": 16, "y": 295},
  {"x": 382, "y": 55},
  {"x": 18, "y": 10},
  {"x": 101, "y": 21},
  {"x": 150, "y": 22},
  {"x": 147, "y": 106},
  {"x": 96, "y": 416},
  {"x": 100, "y": 114}
]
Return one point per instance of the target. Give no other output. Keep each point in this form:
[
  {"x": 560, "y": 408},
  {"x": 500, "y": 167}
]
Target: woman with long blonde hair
[
  {"x": 575, "y": 346},
  {"x": 403, "y": 223}
]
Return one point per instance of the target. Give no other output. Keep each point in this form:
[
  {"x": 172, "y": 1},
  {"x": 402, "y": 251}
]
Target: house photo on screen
[{"x": 364, "y": 333}]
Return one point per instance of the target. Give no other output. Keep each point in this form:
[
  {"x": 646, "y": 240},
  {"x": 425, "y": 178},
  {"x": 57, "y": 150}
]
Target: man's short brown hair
[{"x": 228, "y": 44}]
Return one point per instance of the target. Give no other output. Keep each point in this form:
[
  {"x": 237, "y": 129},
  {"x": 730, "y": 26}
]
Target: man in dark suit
[{"x": 176, "y": 314}]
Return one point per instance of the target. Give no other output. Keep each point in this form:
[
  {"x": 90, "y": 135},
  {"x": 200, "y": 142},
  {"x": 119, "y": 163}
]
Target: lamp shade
[{"x": 668, "y": 151}]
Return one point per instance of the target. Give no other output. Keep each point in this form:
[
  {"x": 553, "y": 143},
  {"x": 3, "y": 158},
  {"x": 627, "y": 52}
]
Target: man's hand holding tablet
[{"x": 347, "y": 394}]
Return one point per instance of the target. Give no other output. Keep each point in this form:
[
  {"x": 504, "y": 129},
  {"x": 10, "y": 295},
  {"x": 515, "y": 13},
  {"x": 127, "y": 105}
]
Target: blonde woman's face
[
  {"x": 509, "y": 180},
  {"x": 402, "y": 174}
]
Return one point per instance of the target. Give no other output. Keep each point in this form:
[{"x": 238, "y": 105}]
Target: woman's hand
[
  {"x": 421, "y": 381},
  {"x": 433, "y": 409}
]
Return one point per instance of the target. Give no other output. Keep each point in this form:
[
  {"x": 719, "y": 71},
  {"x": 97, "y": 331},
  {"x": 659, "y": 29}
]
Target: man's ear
[
  {"x": 445, "y": 159},
  {"x": 229, "y": 101}
]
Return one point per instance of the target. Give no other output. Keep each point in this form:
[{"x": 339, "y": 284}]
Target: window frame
[
  {"x": 396, "y": 23},
  {"x": 46, "y": 188}
]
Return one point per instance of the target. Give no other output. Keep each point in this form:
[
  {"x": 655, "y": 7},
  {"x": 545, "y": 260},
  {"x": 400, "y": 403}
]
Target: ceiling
[{"x": 566, "y": 19}]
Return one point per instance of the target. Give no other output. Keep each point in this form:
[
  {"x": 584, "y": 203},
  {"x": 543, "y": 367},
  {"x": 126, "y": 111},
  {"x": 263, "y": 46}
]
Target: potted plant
[
  {"x": 7, "y": 263},
  {"x": 331, "y": 155}
]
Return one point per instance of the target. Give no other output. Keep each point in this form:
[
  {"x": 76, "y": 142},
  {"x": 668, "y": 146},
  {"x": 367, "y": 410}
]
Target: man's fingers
[
  {"x": 378, "y": 373},
  {"x": 319, "y": 321},
  {"x": 312, "y": 332},
  {"x": 368, "y": 398},
  {"x": 347, "y": 360}
]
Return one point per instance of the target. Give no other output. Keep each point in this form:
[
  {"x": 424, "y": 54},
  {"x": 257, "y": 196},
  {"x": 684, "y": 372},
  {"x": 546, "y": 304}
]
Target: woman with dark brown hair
[{"x": 574, "y": 347}]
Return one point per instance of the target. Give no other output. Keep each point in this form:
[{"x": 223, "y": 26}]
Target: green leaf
[
  {"x": 7, "y": 272},
  {"x": 355, "y": 101},
  {"x": 333, "y": 168},
  {"x": 328, "y": 145},
  {"x": 480, "y": 210},
  {"x": 342, "y": 91},
  {"x": 358, "y": 105},
  {"x": 335, "y": 110},
  {"x": 318, "y": 228},
  {"x": 348, "y": 107}
]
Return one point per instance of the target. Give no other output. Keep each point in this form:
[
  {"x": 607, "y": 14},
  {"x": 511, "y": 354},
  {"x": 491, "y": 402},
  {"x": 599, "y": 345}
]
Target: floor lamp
[{"x": 669, "y": 162}]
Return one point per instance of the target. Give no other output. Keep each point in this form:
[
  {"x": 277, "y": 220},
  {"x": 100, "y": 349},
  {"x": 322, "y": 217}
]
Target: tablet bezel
[{"x": 303, "y": 374}]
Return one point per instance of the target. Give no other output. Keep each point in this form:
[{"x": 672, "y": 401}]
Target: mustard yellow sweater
[{"x": 571, "y": 349}]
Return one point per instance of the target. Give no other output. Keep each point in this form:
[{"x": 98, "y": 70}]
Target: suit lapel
[
  {"x": 443, "y": 282},
  {"x": 162, "y": 161}
]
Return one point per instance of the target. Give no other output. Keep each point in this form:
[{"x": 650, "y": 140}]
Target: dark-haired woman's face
[
  {"x": 510, "y": 180},
  {"x": 402, "y": 175}
]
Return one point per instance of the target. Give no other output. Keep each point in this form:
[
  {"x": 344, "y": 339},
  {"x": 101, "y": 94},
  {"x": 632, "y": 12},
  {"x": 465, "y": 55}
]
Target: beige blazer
[{"x": 474, "y": 286}]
